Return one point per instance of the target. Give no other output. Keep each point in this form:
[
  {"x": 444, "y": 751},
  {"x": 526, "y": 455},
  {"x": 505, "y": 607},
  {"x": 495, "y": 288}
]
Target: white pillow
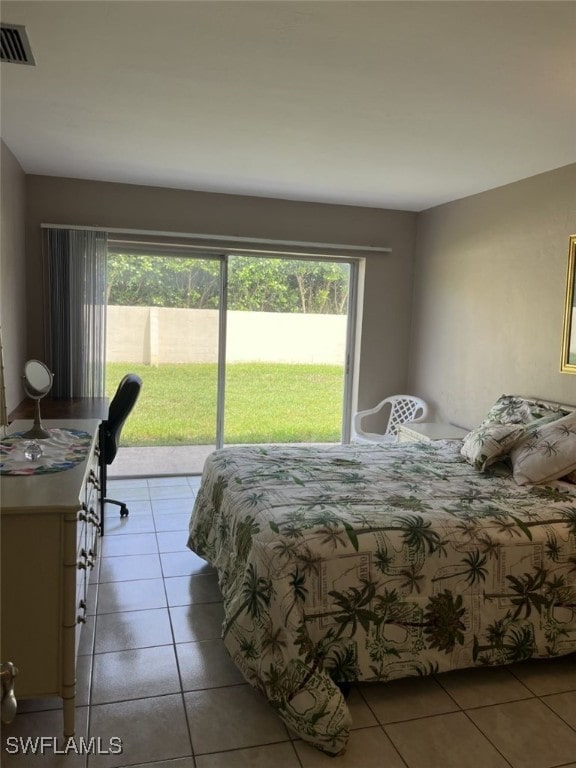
[
  {"x": 487, "y": 443},
  {"x": 547, "y": 454}
]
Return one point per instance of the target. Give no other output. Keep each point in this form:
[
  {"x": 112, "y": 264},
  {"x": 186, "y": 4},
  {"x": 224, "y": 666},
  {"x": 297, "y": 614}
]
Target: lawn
[{"x": 265, "y": 402}]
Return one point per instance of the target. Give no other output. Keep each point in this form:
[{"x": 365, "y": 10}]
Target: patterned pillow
[
  {"x": 547, "y": 454},
  {"x": 512, "y": 409},
  {"x": 487, "y": 443},
  {"x": 570, "y": 478},
  {"x": 535, "y": 426}
]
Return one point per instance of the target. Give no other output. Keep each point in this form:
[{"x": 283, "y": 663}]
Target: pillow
[
  {"x": 512, "y": 409},
  {"x": 487, "y": 443},
  {"x": 534, "y": 426},
  {"x": 547, "y": 454}
]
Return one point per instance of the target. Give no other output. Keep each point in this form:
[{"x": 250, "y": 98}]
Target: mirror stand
[{"x": 37, "y": 432}]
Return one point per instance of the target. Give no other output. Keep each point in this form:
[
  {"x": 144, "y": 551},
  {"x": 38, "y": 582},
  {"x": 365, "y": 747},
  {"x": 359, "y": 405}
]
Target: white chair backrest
[{"x": 402, "y": 408}]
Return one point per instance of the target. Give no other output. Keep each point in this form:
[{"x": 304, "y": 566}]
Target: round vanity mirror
[{"x": 37, "y": 380}]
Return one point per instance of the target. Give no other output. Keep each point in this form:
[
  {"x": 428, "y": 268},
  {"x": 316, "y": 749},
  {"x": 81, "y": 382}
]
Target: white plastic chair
[{"x": 403, "y": 408}]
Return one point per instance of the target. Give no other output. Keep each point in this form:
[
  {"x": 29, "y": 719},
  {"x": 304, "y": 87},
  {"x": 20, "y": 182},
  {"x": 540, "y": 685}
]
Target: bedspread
[{"x": 376, "y": 562}]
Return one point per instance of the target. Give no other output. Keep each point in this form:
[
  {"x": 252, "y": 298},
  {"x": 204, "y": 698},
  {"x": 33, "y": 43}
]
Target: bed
[{"x": 375, "y": 562}]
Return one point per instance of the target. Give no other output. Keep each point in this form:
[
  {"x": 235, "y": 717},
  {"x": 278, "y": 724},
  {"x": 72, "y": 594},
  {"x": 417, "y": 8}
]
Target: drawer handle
[{"x": 81, "y": 617}]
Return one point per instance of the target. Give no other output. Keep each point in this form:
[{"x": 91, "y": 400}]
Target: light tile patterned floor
[{"x": 153, "y": 672}]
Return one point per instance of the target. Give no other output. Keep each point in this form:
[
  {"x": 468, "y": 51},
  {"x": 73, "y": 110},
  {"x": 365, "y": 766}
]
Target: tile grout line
[{"x": 177, "y": 660}]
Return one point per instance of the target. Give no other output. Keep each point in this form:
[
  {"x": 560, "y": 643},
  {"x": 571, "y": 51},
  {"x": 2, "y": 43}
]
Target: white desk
[{"x": 48, "y": 547}]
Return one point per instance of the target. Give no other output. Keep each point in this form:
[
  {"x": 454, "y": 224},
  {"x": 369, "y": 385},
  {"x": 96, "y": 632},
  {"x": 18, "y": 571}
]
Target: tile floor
[{"x": 153, "y": 672}]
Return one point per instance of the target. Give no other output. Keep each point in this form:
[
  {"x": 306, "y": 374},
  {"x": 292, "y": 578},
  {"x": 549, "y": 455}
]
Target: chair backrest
[
  {"x": 404, "y": 408},
  {"x": 400, "y": 408},
  {"x": 120, "y": 407}
]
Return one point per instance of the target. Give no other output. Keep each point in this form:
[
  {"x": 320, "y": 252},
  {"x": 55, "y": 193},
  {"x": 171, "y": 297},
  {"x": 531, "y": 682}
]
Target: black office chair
[{"x": 109, "y": 436}]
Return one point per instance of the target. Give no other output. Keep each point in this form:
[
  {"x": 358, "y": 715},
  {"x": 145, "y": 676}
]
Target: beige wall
[
  {"x": 489, "y": 290},
  {"x": 388, "y": 288},
  {"x": 12, "y": 274}
]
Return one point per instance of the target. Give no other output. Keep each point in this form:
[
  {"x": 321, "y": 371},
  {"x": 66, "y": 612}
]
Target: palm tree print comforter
[{"x": 378, "y": 562}]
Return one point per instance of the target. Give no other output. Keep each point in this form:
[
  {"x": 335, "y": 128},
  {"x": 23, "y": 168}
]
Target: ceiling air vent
[{"x": 15, "y": 48}]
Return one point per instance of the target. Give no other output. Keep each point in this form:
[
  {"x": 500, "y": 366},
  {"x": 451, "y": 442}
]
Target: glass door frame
[
  {"x": 222, "y": 331},
  {"x": 351, "y": 340}
]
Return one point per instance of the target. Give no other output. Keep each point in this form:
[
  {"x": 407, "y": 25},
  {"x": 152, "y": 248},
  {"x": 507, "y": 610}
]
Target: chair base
[{"x": 124, "y": 511}]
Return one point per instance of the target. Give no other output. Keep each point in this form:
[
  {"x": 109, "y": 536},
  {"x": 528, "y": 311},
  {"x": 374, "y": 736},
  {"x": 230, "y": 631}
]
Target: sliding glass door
[
  {"x": 163, "y": 322},
  {"x": 232, "y": 348},
  {"x": 286, "y": 349}
]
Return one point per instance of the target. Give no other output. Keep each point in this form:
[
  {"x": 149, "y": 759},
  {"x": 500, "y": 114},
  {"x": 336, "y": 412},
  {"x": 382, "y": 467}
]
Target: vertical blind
[{"x": 76, "y": 270}]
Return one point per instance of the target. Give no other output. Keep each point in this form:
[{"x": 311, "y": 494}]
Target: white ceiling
[{"x": 390, "y": 104}]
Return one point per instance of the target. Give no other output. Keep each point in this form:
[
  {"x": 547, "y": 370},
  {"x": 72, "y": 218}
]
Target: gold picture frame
[{"x": 568, "y": 363}]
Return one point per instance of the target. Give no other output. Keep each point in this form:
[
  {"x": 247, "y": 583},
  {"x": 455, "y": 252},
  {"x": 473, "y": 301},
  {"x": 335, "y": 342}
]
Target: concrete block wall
[{"x": 156, "y": 335}]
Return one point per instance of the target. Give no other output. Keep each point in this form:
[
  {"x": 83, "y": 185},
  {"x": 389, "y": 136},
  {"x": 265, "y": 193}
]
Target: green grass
[{"x": 265, "y": 402}]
